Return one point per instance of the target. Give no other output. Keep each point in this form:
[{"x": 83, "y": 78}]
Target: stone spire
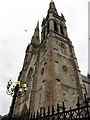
[
  {"x": 52, "y": 7},
  {"x": 35, "y": 38}
]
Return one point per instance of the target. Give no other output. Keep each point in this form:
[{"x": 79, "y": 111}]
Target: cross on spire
[{"x": 51, "y": 0}]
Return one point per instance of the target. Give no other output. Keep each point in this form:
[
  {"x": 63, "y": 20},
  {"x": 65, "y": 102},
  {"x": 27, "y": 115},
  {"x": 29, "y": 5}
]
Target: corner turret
[{"x": 35, "y": 38}]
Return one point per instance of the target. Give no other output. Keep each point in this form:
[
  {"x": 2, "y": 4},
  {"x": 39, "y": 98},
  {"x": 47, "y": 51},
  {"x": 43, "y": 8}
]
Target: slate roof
[{"x": 86, "y": 78}]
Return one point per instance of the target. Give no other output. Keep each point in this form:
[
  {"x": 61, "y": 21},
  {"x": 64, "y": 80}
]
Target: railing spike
[
  {"x": 63, "y": 108},
  {"x": 78, "y": 103},
  {"x": 48, "y": 113},
  {"x": 53, "y": 112}
]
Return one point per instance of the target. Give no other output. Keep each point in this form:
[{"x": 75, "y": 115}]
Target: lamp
[{"x": 17, "y": 90}]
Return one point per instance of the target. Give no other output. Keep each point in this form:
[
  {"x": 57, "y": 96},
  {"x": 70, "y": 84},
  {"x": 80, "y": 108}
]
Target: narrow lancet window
[
  {"x": 47, "y": 27},
  {"x": 61, "y": 29},
  {"x": 55, "y": 27},
  {"x": 63, "y": 48}
]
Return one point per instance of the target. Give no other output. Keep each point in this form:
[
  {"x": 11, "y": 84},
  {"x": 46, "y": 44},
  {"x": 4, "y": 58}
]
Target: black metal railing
[{"x": 81, "y": 112}]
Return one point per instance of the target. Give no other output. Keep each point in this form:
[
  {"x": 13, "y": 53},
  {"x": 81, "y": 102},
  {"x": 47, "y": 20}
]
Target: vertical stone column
[{"x": 51, "y": 24}]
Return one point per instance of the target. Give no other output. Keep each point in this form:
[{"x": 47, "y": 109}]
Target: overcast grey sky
[
  {"x": 16, "y": 16},
  {"x": 89, "y": 36}
]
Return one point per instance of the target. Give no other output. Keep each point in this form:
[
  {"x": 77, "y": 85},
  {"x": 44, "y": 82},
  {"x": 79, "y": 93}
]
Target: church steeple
[
  {"x": 53, "y": 23},
  {"x": 35, "y": 38}
]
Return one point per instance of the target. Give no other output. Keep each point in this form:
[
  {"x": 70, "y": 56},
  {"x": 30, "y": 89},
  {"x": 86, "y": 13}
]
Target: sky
[
  {"x": 89, "y": 37},
  {"x": 16, "y": 16}
]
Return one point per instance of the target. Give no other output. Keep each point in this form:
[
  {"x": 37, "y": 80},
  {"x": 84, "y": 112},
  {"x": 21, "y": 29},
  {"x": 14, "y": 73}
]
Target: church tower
[{"x": 50, "y": 68}]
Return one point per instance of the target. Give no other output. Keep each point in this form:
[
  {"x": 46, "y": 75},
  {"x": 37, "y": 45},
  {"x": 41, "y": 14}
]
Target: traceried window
[
  {"x": 55, "y": 27},
  {"x": 63, "y": 48},
  {"x": 29, "y": 83},
  {"x": 61, "y": 29}
]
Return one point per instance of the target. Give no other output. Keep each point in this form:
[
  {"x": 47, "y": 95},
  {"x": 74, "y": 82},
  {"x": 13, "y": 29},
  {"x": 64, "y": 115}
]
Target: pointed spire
[
  {"x": 52, "y": 7},
  {"x": 62, "y": 15},
  {"x": 36, "y": 32},
  {"x": 35, "y": 39}
]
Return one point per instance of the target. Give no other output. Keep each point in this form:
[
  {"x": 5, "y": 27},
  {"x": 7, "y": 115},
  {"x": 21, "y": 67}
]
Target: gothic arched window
[
  {"x": 61, "y": 29},
  {"x": 30, "y": 78},
  {"x": 63, "y": 48},
  {"x": 55, "y": 27}
]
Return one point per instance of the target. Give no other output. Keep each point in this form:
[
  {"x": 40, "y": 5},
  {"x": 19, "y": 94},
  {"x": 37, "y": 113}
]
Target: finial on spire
[
  {"x": 38, "y": 24},
  {"x": 52, "y": 7}
]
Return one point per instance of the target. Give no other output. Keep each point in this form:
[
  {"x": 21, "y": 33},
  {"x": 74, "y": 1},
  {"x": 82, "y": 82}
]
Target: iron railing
[{"x": 78, "y": 113}]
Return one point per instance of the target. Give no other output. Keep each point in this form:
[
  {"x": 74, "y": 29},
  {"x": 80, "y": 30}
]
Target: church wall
[{"x": 56, "y": 76}]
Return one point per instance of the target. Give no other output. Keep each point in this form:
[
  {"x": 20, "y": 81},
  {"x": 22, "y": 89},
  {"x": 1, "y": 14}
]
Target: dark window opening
[
  {"x": 61, "y": 28},
  {"x": 64, "y": 68},
  {"x": 55, "y": 26},
  {"x": 42, "y": 71},
  {"x": 47, "y": 27}
]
